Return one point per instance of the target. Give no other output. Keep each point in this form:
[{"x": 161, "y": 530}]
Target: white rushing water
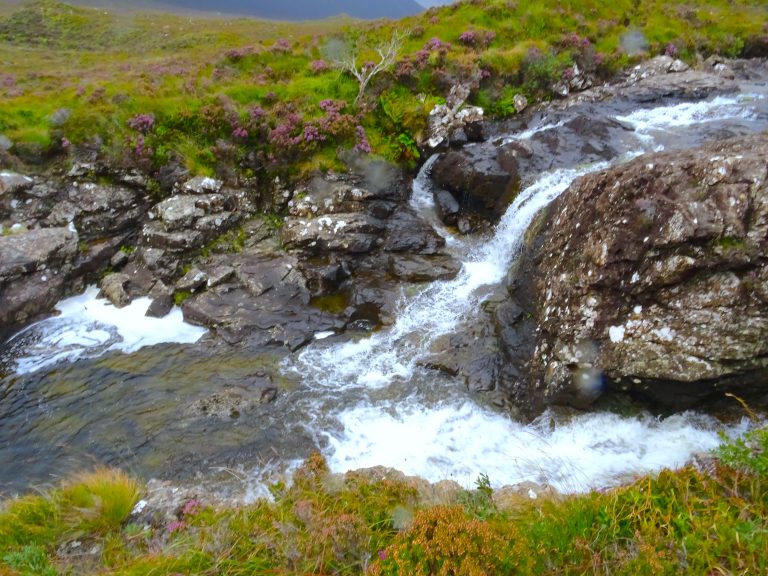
[
  {"x": 87, "y": 326},
  {"x": 414, "y": 420}
]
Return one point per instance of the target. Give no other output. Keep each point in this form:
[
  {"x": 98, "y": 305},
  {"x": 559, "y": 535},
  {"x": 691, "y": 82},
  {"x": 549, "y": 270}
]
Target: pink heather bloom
[
  {"x": 671, "y": 50},
  {"x": 318, "y": 66},
  {"x": 175, "y": 526},
  {"x": 192, "y": 507},
  {"x": 142, "y": 122},
  {"x": 469, "y": 38},
  {"x": 362, "y": 144}
]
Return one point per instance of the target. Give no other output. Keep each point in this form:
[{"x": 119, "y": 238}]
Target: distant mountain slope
[{"x": 278, "y": 9}]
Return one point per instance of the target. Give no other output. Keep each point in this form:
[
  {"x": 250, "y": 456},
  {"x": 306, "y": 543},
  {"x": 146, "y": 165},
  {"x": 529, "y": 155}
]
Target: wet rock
[
  {"x": 162, "y": 300},
  {"x": 581, "y": 136},
  {"x": 266, "y": 303},
  {"x": 95, "y": 255},
  {"x": 647, "y": 279},
  {"x": 157, "y": 260},
  {"x": 324, "y": 276},
  {"x": 104, "y": 209},
  {"x": 113, "y": 288},
  {"x": 118, "y": 260},
  {"x": 178, "y": 212},
  {"x": 373, "y": 300},
  {"x": 415, "y": 268},
  {"x": 219, "y": 275},
  {"x": 156, "y": 236},
  {"x": 406, "y": 232},
  {"x": 446, "y": 205},
  {"x": 33, "y": 250},
  {"x": 27, "y": 298},
  {"x": 233, "y": 401},
  {"x": 477, "y": 179}
]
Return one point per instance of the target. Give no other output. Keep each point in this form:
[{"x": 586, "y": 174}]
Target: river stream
[{"x": 96, "y": 385}]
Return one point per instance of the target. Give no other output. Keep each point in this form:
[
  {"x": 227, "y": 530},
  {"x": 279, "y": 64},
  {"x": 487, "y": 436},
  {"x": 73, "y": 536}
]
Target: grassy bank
[
  {"x": 679, "y": 522},
  {"x": 247, "y": 99}
]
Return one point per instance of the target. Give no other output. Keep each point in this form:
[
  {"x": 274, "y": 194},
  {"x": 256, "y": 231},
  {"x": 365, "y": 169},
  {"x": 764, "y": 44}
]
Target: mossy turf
[
  {"x": 678, "y": 522},
  {"x": 242, "y": 98}
]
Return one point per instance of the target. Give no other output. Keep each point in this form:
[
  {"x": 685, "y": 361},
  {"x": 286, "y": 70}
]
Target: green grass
[
  {"x": 201, "y": 78},
  {"x": 677, "y": 522}
]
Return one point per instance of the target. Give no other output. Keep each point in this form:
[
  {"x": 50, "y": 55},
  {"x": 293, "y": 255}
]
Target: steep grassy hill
[{"x": 248, "y": 98}]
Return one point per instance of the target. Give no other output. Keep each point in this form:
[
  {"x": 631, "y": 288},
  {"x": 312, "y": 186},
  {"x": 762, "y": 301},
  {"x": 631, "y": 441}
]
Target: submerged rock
[{"x": 648, "y": 278}]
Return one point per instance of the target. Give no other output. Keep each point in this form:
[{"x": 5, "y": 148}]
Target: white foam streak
[
  {"x": 649, "y": 120},
  {"x": 87, "y": 327},
  {"x": 460, "y": 442}
]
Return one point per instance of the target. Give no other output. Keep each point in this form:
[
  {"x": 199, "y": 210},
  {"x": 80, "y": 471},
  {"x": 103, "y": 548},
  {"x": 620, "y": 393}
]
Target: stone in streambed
[
  {"x": 415, "y": 268},
  {"x": 162, "y": 300},
  {"x": 477, "y": 180},
  {"x": 113, "y": 288}
]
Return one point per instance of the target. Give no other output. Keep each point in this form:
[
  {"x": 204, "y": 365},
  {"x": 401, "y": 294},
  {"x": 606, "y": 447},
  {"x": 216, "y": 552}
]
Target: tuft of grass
[
  {"x": 97, "y": 502},
  {"x": 749, "y": 454}
]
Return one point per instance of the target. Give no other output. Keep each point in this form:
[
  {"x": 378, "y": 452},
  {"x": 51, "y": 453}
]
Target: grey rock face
[
  {"x": 352, "y": 233},
  {"x": 649, "y": 278},
  {"x": 33, "y": 268}
]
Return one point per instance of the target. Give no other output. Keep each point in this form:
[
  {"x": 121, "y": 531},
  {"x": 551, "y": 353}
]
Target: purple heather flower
[
  {"x": 142, "y": 122},
  {"x": 175, "y": 526},
  {"x": 318, "y": 66}
]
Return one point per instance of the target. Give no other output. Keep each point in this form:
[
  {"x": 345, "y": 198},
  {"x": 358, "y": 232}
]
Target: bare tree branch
[{"x": 387, "y": 51}]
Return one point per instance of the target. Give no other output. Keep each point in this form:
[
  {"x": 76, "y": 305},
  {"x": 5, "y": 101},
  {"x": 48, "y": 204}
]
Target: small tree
[{"x": 363, "y": 73}]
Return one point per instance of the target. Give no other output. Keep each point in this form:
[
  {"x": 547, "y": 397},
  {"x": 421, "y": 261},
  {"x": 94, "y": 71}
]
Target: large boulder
[
  {"x": 477, "y": 179},
  {"x": 650, "y": 278}
]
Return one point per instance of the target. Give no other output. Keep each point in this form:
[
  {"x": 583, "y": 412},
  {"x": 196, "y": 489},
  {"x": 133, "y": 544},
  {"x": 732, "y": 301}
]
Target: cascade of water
[{"x": 394, "y": 417}]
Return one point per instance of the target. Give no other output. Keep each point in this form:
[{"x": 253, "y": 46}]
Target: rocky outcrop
[
  {"x": 454, "y": 122},
  {"x": 202, "y": 211},
  {"x": 34, "y": 266},
  {"x": 650, "y": 278}
]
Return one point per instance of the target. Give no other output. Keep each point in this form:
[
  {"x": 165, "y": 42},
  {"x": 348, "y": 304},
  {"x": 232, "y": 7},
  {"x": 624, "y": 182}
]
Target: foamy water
[
  {"x": 459, "y": 442},
  {"x": 87, "y": 326}
]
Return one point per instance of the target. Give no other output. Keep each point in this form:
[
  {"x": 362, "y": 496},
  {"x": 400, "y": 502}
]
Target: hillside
[{"x": 221, "y": 92}]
